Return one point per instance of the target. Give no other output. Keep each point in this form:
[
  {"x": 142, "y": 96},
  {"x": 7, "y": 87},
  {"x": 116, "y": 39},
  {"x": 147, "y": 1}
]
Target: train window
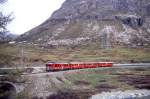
[{"x": 56, "y": 65}]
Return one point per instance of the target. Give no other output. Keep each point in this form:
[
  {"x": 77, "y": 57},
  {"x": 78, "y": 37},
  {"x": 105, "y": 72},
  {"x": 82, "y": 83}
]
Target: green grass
[
  {"x": 89, "y": 76},
  {"x": 98, "y": 76},
  {"x": 116, "y": 54},
  {"x": 10, "y": 55}
]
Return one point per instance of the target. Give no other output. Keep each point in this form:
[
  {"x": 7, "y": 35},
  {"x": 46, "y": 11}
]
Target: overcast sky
[{"x": 29, "y": 13}]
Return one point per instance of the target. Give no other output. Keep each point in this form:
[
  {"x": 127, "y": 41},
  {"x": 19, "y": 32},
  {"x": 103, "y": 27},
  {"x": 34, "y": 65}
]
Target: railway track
[{"x": 41, "y": 69}]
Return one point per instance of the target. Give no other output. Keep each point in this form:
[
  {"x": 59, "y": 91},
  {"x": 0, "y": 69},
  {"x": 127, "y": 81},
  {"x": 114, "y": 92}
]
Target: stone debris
[{"x": 129, "y": 94}]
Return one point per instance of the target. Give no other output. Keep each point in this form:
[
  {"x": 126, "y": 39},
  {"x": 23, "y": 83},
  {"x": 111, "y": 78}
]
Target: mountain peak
[{"x": 79, "y": 21}]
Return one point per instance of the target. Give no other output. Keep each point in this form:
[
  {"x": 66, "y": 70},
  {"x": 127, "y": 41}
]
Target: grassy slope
[
  {"x": 86, "y": 82},
  {"x": 96, "y": 77},
  {"x": 10, "y": 54}
]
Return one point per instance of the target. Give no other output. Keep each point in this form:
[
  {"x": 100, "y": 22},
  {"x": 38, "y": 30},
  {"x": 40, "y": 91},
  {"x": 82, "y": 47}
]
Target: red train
[{"x": 51, "y": 66}]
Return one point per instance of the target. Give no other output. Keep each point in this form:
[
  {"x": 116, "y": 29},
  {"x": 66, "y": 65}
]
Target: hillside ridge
[{"x": 110, "y": 22}]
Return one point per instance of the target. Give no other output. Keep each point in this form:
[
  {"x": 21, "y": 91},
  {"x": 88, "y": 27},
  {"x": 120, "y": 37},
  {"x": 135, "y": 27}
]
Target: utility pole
[
  {"x": 105, "y": 38},
  {"x": 22, "y": 57}
]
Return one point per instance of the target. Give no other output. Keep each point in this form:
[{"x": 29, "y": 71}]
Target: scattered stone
[
  {"x": 12, "y": 42},
  {"x": 129, "y": 94}
]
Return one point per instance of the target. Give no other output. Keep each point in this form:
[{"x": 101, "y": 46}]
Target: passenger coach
[{"x": 51, "y": 66}]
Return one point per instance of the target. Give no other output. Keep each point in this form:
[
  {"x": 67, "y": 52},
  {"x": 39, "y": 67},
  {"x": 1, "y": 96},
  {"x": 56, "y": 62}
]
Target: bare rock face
[{"x": 124, "y": 22}]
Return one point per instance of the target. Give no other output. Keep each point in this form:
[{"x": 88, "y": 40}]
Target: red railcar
[{"x": 51, "y": 66}]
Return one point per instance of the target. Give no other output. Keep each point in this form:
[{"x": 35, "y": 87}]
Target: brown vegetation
[{"x": 140, "y": 82}]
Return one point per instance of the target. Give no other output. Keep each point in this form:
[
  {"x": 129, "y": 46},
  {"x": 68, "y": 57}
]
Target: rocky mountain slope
[{"x": 110, "y": 22}]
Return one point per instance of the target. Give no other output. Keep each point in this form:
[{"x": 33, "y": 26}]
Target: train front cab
[
  {"x": 49, "y": 67},
  {"x": 56, "y": 66}
]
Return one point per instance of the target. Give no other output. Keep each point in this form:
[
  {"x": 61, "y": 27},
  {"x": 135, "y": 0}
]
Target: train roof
[{"x": 75, "y": 62}]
